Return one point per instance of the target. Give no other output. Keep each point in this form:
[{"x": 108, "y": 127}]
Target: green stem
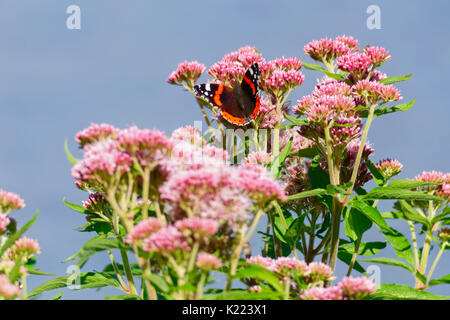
[
  {"x": 24, "y": 286},
  {"x": 354, "y": 255},
  {"x": 414, "y": 241},
  {"x": 117, "y": 271},
  {"x": 235, "y": 256},
  {"x": 335, "y": 226},
  {"x": 287, "y": 288},
  {"x": 441, "y": 251},
  {"x": 360, "y": 150},
  {"x": 145, "y": 191},
  {"x": 200, "y": 286}
]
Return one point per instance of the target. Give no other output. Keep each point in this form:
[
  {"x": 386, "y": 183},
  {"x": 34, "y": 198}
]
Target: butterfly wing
[{"x": 249, "y": 96}]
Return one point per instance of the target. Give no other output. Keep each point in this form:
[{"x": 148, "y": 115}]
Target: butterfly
[{"x": 238, "y": 105}]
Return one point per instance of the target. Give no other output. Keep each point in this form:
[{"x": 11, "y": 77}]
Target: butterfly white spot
[{"x": 207, "y": 87}]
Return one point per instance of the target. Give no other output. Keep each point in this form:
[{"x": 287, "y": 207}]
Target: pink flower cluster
[
  {"x": 4, "y": 222},
  {"x": 198, "y": 227},
  {"x": 147, "y": 146},
  {"x": 348, "y": 289},
  {"x": 10, "y": 201},
  {"x": 259, "y": 157},
  {"x": 187, "y": 71},
  {"x": 101, "y": 161},
  {"x": 24, "y": 248},
  {"x": 441, "y": 181},
  {"x": 326, "y": 50},
  {"x": 207, "y": 261},
  {"x": 95, "y": 203},
  {"x": 233, "y": 66},
  {"x": 189, "y": 134},
  {"x": 374, "y": 91},
  {"x": 389, "y": 167},
  {"x": 8, "y": 290},
  {"x": 313, "y": 273},
  {"x": 95, "y": 132},
  {"x": 348, "y": 163},
  {"x": 280, "y": 76},
  {"x": 166, "y": 240},
  {"x": 143, "y": 230}
]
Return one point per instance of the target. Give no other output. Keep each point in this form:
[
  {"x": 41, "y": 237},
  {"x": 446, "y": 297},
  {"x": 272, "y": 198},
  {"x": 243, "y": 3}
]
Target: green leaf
[
  {"x": 157, "y": 281},
  {"x": 346, "y": 257},
  {"x": 444, "y": 280},
  {"x": 58, "y": 296},
  {"x": 127, "y": 296},
  {"x": 40, "y": 273},
  {"x": 94, "y": 246},
  {"x": 255, "y": 271},
  {"x": 356, "y": 224},
  {"x": 370, "y": 212},
  {"x": 402, "y": 292},
  {"x": 87, "y": 280},
  {"x": 332, "y": 190},
  {"x": 13, "y": 237},
  {"x": 411, "y": 215},
  {"x": 365, "y": 248},
  {"x": 243, "y": 295},
  {"x": 69, "y": 155},
  {"x": 297, "y": 122},
  {"x": 391, "y": 80},
  {"x": 440, "y": 217},
  {"x": 400, "y": 244},
  {"x": 306, "y": 194},
  {"x": 306, "y": 153},
  {"x": 77, "y": 207},
  {"x": 294, "y": 231},
  {"x": 376, "y": 174},
  {"x": 388, "y": 193},
  {"x": 399, "y": 107},
  {"x": 277, "y": 163},
  {"x": 312, "y": 66},
  {"x": 409, "y": 184},
  {"x": 389, "y": 261}
]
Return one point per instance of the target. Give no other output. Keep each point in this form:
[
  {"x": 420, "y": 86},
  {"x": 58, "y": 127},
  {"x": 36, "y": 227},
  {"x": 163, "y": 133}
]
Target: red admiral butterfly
[{"x": 238, "y": 105}]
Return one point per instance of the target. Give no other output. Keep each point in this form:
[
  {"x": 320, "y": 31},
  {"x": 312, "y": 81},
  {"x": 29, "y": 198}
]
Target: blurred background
[{"x": 55, "y": 82}]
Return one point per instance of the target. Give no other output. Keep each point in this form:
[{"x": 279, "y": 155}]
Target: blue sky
[{"x": 55, "y": 82}]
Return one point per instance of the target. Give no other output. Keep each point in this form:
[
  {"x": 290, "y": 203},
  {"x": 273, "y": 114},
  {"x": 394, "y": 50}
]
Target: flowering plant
[
  {"x": 185, "y": 206},
  {"x": 17, "y": 252}
]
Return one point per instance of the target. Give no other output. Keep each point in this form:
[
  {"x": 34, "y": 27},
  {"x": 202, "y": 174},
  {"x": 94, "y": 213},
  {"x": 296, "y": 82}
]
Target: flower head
[
  {"x": 147, "y": 146},
  {"x": 444, "y": 234},
  {"x": 389, "y": 167},
  {"x": 259, "y": 157},
  {"x": 326, "y": 50},
  {"x": 265, "y": 262},
  {"x": 96, "y": 202},
  {"x": 10, "y": 201},
  {"x": 24, "y": 248},
  {"x": 8, "y": 290},
  {"x": 356, "y": 63},
  {"x": 232, "y": 67},
  {"x": 378, "y": 55},
  {"x": 357, "y": 288},
  {"x": 189, "y": 134},
  {"x": 187, "y": 71},
  {"x": 95, "y": 132},
  {"x": 144, "y": 229},
  {"x": 319, "y": 272},
  {"x": 100, "y": 162},
  {"x": 198, "y": 227},
  {"x": 286, "y": 266},
  {"x": 207, "y": 261},
  {"x": 166, "y": 240},
  {"x": 321, "y": 293},
  {"x": 4, "y": 222}
]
